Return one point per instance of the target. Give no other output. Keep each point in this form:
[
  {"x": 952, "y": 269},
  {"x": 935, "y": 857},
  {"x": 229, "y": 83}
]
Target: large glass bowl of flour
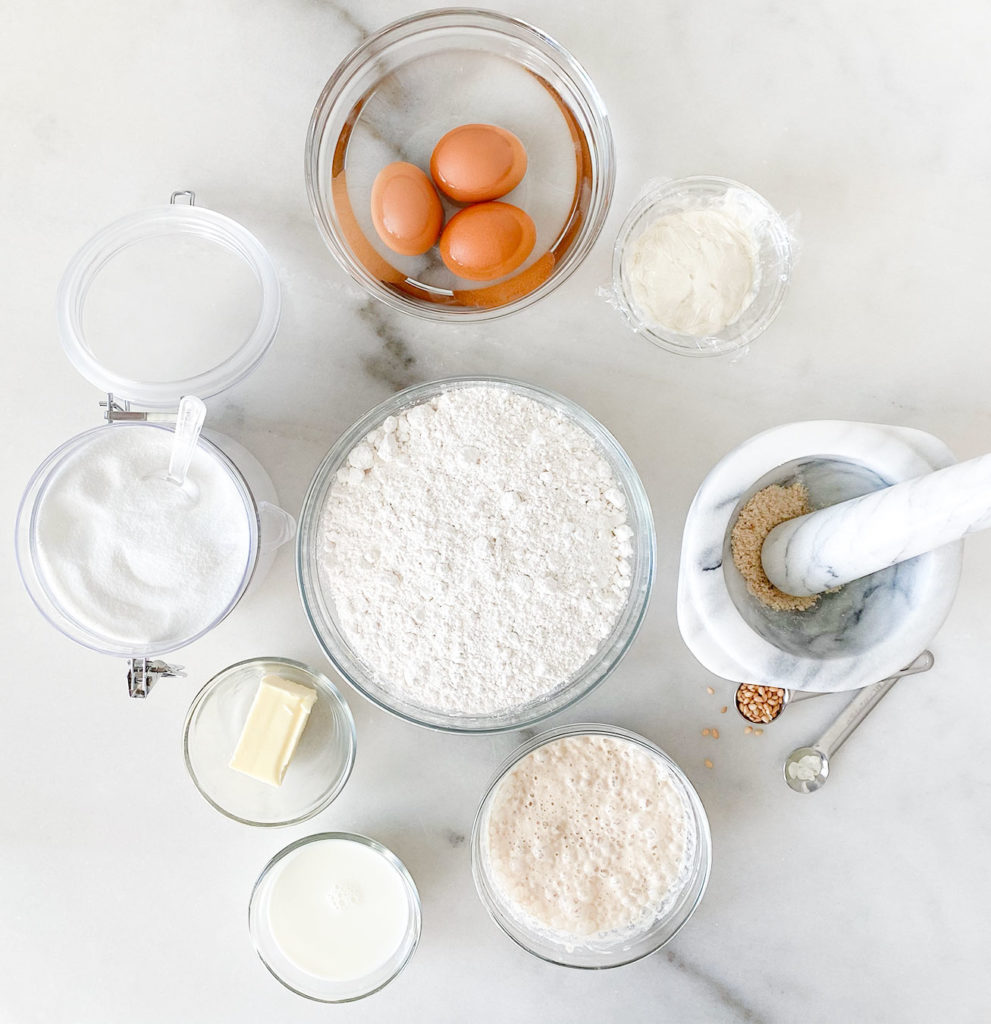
[{"x": 486, "y": 621}]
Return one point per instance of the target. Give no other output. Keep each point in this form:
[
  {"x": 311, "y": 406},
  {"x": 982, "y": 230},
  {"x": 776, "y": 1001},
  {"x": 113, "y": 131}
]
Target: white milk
[
  {"x": 338, "y": 909},
  {"x": 132, "y": 557}
]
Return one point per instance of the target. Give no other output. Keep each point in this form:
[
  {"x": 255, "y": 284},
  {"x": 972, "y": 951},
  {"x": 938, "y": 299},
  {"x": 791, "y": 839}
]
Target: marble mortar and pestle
[{"x": 883, "y": 547}]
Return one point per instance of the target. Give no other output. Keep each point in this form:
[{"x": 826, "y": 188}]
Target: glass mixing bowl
[
  {"x": 407, "y": 85},
  {"x": 319, "y": 607},
  {"x": 607, "y": 951}
]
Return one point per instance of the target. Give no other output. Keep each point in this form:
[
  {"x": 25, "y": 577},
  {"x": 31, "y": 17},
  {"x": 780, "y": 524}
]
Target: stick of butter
[{"x": 273, "y": 728}]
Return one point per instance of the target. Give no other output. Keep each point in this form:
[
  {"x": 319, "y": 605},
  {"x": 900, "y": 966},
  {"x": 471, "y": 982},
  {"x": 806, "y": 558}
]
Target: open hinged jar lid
[
  {"x": 170, "y": 301},
  {"x": 117, "y": 553}
]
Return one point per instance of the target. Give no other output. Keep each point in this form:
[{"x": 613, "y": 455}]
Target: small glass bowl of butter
[
  {"x": 265, "y": 718},
  {"x": 701, "y": 265}
]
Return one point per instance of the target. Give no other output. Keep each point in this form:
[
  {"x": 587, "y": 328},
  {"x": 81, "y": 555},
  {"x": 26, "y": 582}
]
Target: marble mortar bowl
[{"x": 859, "y": 634}]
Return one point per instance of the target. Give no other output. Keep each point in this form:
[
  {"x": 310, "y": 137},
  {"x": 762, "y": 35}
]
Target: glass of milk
[{"x": 335, "y": 916}]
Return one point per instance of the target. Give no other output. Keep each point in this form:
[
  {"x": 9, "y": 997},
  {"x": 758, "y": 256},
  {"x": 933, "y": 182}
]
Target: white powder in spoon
[
  {"x": 693, "y": 271},
  {"x": 131, "y": 556},
  {"x": 477, "y": 550}
]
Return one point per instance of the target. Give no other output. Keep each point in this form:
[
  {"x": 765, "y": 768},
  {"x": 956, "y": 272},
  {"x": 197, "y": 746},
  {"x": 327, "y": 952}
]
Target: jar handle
[{"x": 276, "y": 526}]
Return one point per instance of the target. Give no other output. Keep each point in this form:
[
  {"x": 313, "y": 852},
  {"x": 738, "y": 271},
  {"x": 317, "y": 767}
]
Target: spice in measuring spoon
[
  {"x": 807, "y": 768},
  {"x": 760, "y": 703}
]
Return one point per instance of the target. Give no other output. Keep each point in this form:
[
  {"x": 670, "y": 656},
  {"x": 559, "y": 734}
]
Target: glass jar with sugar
[{"x": 115, "y": 555}]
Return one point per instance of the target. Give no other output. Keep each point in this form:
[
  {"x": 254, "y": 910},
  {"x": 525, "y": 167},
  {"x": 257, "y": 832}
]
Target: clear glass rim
[
  {"x": 699, "y": 817},
  {"x": 87, "y": 263},
  {"x": 600, "y": 146},
  {"x": 631, "y": 617},
  {"x": 325, "y": 684},
  {"x": 685, "y": 345},
  {"x": 33, "y": 579},
  {"x": 363, "y": 840}
]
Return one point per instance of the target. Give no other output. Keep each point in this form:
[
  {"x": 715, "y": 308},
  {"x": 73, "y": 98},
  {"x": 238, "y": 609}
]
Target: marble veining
[
  {"x": 728, "y": 999},
  {"x": 864, "y": 903},
  {"x": 393, "y": 364}
]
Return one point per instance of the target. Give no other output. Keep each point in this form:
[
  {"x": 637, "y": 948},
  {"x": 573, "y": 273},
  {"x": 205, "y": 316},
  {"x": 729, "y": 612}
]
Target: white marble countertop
[{"x": 123, "y": 895}]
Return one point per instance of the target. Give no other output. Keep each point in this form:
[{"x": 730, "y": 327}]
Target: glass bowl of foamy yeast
[
  {"x": 476, "y": 554},
  {"x": 591, "y": 848},
  {"x": 172, "y": 301},
  {"x": 391, "y": 102},
  {"x": 335, "y": 917}
]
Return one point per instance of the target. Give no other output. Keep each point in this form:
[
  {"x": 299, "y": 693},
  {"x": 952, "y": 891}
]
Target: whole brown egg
[
  {"x": 478, "y": 162},
  {"x": 487, "y": 241},
  {"x": 406, "y": 209}
]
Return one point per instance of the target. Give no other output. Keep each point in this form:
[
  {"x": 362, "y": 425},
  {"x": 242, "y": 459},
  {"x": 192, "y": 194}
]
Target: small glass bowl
[
  {"x": 602, "y": 953},
  {"x": 775, "y": 258},
  {"x": 302, "y": 982},
  {"x": 403, "y": 88},
  {"x": 319, "y": 607},
  {"x": 319, "y": 768}
]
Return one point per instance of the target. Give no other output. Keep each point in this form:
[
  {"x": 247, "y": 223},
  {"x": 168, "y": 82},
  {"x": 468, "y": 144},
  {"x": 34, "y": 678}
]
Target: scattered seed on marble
[
  {"x": 709, "y": 690},
  {"x": 708, "y": 763},
  {"x": 723, "y": 710},
  {"x": 715, "y": 734},
  {"x": 705, "y": 732},
  {"x": 758, "y": 732},
  {"x": 749, "y": 729}
]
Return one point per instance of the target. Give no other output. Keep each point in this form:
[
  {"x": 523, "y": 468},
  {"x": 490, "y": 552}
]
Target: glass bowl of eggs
[{"x": 459, "y": 164}]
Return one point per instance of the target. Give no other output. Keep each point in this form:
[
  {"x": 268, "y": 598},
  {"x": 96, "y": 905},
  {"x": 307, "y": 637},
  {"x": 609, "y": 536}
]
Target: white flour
[
  {"x": 693, "y": 272},
  {"x": 129, "y": 555},
  {"x": 477, "y": 550}
]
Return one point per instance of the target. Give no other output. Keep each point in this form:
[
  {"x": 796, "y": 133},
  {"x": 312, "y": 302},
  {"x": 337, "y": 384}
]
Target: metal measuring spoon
[
  {"x": 787, "y": 697},
  {"x": 807, "y": 768}
]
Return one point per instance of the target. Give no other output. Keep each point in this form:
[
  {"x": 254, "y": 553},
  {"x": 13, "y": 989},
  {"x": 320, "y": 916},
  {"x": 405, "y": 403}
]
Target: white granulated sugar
[
  {"x": 128, "y": 554},
  {"x": 477, "y": 550}
]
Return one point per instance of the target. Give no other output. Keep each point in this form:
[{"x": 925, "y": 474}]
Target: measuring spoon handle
[
  {"x": 864, "y": 703},
  {"x": 188, "y": 424}
]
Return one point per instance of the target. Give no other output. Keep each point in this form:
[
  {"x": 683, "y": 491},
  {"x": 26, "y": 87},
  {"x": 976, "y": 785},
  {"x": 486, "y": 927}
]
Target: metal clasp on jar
[{"x": 142, "y": 674}]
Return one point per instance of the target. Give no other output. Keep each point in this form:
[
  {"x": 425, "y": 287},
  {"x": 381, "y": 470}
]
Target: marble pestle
[{"x": 852, "y": 539}]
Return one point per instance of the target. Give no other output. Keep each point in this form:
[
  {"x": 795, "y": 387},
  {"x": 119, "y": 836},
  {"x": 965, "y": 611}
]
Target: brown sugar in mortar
[{"x": 767, "y": 509}]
